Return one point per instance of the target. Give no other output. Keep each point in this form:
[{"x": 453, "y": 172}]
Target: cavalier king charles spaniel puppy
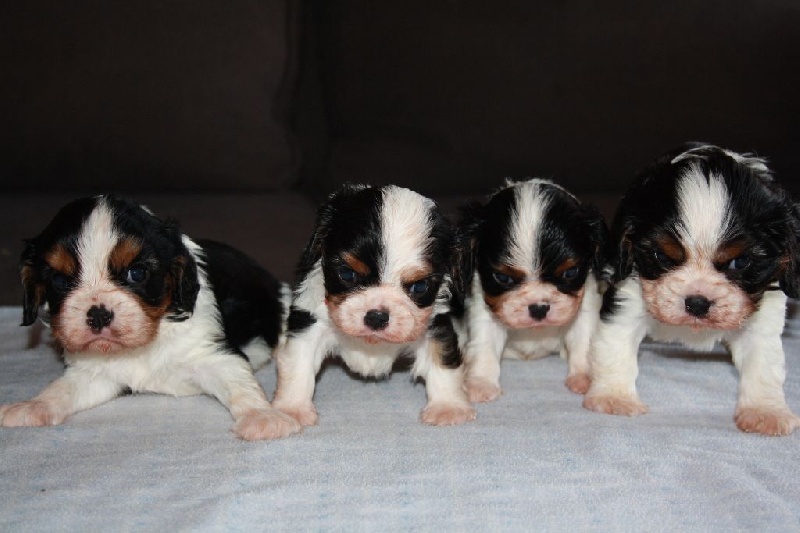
[
  {"x": 530, "y": 257},
  {"x": 705, "y": 250},
  {"x": 137, "y": 306},
  {"x": 374, "y": 284}
]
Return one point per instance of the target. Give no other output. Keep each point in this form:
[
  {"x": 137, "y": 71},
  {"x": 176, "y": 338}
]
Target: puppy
[
  {"x": 374, "y": 284},
  {"x": 137, "y": 306},
  {"x": 530, "y": 256},
  {"x": 705, "y": 249}
]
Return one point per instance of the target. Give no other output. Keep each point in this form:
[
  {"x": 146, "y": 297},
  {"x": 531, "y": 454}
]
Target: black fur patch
[
  {"x": 442, "y": 330},
  {"x": 299, "y": 320},
  {"x": 611, "y": 304},
  {"x": 248, "y": 297}
]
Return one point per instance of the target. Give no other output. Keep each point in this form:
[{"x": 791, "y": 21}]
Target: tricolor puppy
[
  {"x": 138, "y": 306},
  {"x": 530, "y": 256},
  {"x": 706, "y": 250},
  {"x": 374, "y": 284}
]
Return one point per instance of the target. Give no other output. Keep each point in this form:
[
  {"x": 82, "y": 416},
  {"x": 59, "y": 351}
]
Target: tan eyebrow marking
[
  {"x": 356, "y": 264},
  {"x": 671, "y": 248},
  {"x": 124, "y": 253},
  {"x": 60, "y": 259},
  {"x": 566, "y": 265},
  {"x": 414, "y": 274},
  {"x": 730, "y": 251}
]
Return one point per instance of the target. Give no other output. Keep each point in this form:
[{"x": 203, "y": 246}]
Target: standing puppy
[
  {"x": 374, "y": 284},
  {"x": 531, "y": 255},
  {"x": 138, "y": 306},
  {"x": 706, "y": 250}
]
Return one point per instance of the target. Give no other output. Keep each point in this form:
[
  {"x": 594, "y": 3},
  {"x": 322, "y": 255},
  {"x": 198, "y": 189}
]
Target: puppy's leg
[
  {"x": 577, "y": 341},
  {"x": 482, "y": 354},
  {"x": 299, "y": 360},
  {"x": 757, "y": 352},
  {"x": 77, "y": 390},
  {"x": 439, "y": 362},
  {"x": 613, "y": 356},
  {"x": 230, "y": 379}
]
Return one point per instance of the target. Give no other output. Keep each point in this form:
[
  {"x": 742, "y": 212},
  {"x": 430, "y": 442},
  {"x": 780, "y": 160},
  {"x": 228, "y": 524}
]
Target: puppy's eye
[
  {"x": 503, "y": 279},
  {"x": 420, "y": 287},
  {"x": 570, "y": 273},
  {"x": 347, "y": 274},
  {"x": 137, "y": 275},
  {"x": 662, "y": 258},
  {"x": 739, "y": 263},
  {"x": 60, "y": 282}
]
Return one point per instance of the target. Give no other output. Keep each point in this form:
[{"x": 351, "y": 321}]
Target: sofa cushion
[{"x": 144, "y": 95}]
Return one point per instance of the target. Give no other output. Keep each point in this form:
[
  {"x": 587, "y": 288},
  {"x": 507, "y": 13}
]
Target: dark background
[{"x": 238, "y": 116}]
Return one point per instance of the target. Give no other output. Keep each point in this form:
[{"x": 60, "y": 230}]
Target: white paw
[
  {"x": 306, "y": 415},
  {"x": 265, "y": 424},
  {"x": 616, "y": 404},
  {"x": 30, "y": 413},
  {"x": 772, "y": 422},
  {"x": 482, "y": 390},
  {"x": 578, "y": 383},
  {"x": 447, "y": 414}
]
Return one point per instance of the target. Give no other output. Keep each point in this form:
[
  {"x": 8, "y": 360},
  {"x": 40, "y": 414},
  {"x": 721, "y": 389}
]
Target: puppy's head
[
  {"x": 109, "y": 272},
  {"x": 532, "y": 245},
  {"x": 708, "y": 231},
  {"x": 384, "y": 254}
]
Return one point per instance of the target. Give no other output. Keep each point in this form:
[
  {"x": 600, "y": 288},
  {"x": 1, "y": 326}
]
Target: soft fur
[
  {"x": 138, "y": 306},
  {"x": 529, "y": 260},
  {"x": 374, "y": 284},
  {"x": 705, "y": 249}
]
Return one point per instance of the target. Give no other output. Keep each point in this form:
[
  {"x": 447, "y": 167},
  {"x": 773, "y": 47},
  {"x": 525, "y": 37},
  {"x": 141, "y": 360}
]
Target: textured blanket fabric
[{"x": 533, "y": 460}]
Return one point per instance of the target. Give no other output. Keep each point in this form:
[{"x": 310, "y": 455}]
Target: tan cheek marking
[
  {"x": 124, "y": 253},
  {"x": 61, "y": 260}
]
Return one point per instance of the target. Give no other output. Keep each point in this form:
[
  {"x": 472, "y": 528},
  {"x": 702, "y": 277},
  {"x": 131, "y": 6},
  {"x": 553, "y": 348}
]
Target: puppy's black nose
[
  {"x": 99, "y": 317},
  {"x": 538, "y": 311},
  {"x": 376, "y": 320},
  {"x": 697, "y": 305}
]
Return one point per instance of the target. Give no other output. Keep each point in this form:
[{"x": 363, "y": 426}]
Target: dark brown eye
[
  {"x": 60, "y": 282},
  {"x": 662, "y": 258},
  {"x": 137, "y": 275},
  {"x": 420, "y": 287},
  {"x": 570, "y": 273},
  {"x": 347, "y": 274},
  {"x": 739, "y": 263},
  {"x": 503, "y": 279}
]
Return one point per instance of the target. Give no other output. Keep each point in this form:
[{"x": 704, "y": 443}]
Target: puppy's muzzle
[
  {"x": 697, "y": 305},
  {"x": 538, "y": 311},
  {"x": 98, "y": 318},
  {"x": 376, "y": 319}
]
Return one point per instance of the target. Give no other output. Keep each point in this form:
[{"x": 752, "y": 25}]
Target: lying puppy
[
  {"x": 138, "y": 306},
  {"x": 530, "y": 257},
  {"x": 374, "y": 284},
  {"x": 706, "y": 251}
]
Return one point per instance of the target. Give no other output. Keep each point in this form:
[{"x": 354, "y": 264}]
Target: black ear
[
  {"x": 471, "y": 219},
  {"x": 32, "y": 286},
  {"x": 619, "y": 249},
  {"x": 183, "y": 273},
  {"x": 313, "y": 250},
  {"x": 789, "y": 278},
  {"x": 598, "y": 232}
]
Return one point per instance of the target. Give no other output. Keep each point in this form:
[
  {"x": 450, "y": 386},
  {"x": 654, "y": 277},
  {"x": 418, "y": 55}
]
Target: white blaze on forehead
[
  {"x": 95, "y": 244},
  {"x": 406, "y": 227},
  {"x": 527, "y": 216},
  {"x": 704, "y": 211}
]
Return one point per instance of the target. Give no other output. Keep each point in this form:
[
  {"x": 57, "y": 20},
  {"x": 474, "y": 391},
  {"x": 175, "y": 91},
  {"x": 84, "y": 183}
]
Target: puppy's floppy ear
[
  {"x": 789, "y": 277},
  {"x": 598, "y": 232},
  {"x": 183, "y": 273},
  {"x": 619, "y": 248},
  {"x": 471, "y": 218},
  {"x": 313, "y": 250},
  {"x": 32, "y": 286}
]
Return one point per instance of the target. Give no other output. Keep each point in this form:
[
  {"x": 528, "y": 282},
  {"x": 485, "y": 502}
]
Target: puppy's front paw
[
  {"x": 578, "y": 383},
  {"x": 30, "y": 413},
  {"x": 614, "y": 404},
  {"x": 306, "y": 415},
  {"x": 772, "y": 422},
  {"x": 481, "y": 390},
  {"x": 447, "y": 414},
  {"x": 265, "y": 424}
]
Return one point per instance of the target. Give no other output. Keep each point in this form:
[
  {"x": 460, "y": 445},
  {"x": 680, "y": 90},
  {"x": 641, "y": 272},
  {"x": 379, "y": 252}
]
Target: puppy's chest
[
  {"x": 534, "y": 342},
  {"x": 371, "y": 360}
]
